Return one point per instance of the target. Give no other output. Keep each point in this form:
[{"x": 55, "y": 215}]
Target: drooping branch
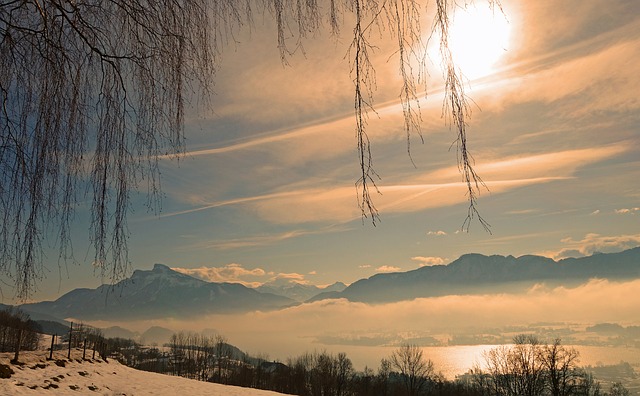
[
  {"x": 93, "y": 92},
  {"x": 363, "y": 75},
  {"x": 406, "y": 16},
  {"x": 456, "y": 111}
]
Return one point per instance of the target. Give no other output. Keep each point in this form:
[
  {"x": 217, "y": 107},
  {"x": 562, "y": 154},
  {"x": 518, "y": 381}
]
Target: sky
[{"x": 266, "y": 191}]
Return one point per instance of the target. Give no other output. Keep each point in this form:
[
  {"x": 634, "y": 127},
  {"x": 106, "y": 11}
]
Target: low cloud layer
[{"x": 292, "y": 331}]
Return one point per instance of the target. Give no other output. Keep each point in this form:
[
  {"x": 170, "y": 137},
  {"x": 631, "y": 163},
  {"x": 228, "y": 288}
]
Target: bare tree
[
  {"x": 529, "y": 367},
  {"x": 516, "y": 370},
  {"x": 93, "y": 92},
  {"x": 527, "y": 364},
  {"x": 414, "y": 370},
  {"x": 561, "y": 366},
  {"x": 18, "y": 331},
  {"x": 589, "y": 386},
  {"x": 223, "y": 354}
]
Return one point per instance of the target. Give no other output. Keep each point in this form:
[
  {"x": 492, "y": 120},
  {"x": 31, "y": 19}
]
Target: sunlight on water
[{"x": 455, "y": 360}]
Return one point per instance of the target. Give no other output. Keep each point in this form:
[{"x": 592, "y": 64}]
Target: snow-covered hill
[{"x": 35, "y": 375}]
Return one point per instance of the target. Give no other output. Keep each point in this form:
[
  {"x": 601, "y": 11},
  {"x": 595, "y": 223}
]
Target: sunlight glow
[{"x": 479, "y": 37}]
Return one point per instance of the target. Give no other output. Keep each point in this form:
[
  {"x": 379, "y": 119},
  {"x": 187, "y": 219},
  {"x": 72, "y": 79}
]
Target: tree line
[
  {"x": 528, "y": 367},
  {"x": 18, "y": 331}
]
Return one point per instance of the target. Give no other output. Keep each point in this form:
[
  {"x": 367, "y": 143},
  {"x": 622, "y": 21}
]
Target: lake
[{"x": 456, "y": 360}]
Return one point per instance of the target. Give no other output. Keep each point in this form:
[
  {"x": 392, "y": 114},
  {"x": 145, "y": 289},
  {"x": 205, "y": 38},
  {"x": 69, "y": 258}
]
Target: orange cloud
[
  {"x": 308, "y": 202},
  {"x": 236, "y": 273},
  {"x": 599, "y": 77},
  {"x": 388, "y": 268},
  {"x": 437, "y": 233},
  {"x": 229, "y": 273},
  {"x": 627, "y": 211},
  {"x": 428, "y": 261},
  {"x": 554, "y": 164}
]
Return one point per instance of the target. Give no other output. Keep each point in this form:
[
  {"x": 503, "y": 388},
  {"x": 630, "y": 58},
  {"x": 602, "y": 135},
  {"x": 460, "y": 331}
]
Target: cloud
[
  {"x": 521, "y": 212},
  {"x": 236, "y": 273},
  {"x": 313, "y": 201},
  {"x": 388, "y": 268},
  {"x": 581, "y": 74},
  {"x": 228, "y": 202},
  {"x": 594, "y": 243},
  {"x": 436, "y": 233},
  {"x": 532, "y": 167},
  {"x": 428, "y": 261},
  {"x": 627, "y": 211},
  {"x": 260, "y": 240},
  {"x": 364, "y": 266},
  {"x": 336, "y": 204},
  {"x": 289, "y": 276},
  {"x": 284, "y": 279},
  {"x": 229, "y": 273}
]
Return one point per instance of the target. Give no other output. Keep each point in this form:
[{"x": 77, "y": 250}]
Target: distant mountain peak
[
  {"x": 160, "y": 292},
  {"x": 298, "y": 291},
  {"x": 161, "y": 268}
]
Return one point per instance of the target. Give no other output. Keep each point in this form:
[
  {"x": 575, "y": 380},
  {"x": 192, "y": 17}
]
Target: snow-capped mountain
[{"x": 158, "y": 293}]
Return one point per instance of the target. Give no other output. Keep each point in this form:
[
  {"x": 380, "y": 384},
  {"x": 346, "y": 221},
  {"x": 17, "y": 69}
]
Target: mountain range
[
  {"x": 163, "y": 292},
  {"x": 298, "y": 291},
  {"x": 476, "y": 273}
]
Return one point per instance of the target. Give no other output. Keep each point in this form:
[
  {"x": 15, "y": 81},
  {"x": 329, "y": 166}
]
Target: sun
[{"x": 479, "y": 37}]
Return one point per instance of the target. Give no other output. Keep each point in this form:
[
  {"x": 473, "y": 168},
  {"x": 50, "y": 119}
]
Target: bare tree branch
[{"x": 93, "y": 92}]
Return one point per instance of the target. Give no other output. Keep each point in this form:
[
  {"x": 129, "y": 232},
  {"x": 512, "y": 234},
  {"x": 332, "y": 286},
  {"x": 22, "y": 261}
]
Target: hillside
[{"x": 37, "y": 375}]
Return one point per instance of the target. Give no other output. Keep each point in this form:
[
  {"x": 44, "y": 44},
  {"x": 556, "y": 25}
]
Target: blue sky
[{"x": 266, "y": 189}]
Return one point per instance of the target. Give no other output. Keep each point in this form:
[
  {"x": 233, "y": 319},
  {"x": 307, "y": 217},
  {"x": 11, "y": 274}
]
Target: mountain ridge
[
  {"x": 163, "y": 292},
  {"x": 298, "y": 291},
  {"x": 160, "y": 292},
  {"x": 476, "y": 273}
]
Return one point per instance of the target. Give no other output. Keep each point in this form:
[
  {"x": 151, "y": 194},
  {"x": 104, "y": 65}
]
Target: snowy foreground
[{"x": 96, "y": 377}]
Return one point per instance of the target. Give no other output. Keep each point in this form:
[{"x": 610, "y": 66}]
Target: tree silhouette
[
  {"x": 414, "y": 369},
  {"x": 530, "y": 367},
  {"x": 94, "y": 92}
]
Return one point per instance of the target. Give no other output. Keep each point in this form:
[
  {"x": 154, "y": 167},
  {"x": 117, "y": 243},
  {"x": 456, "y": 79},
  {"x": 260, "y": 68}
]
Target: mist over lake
[{"x": 446, "y": 325}]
